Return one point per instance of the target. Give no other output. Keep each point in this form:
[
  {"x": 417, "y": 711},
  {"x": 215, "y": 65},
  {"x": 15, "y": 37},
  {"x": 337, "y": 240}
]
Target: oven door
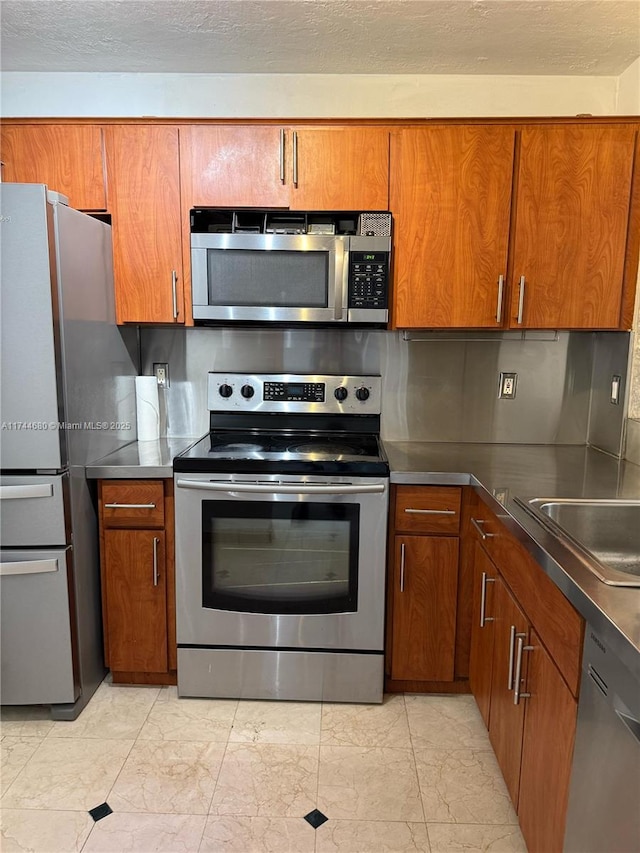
[
  {"x": 269, "y": 277},
  {"x": 280, "y": 561}
]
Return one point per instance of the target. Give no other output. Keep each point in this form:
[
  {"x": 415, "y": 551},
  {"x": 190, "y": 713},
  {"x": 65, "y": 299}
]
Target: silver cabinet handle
[
  {"x": 129, "y": 506},
  {"x": 402, "y": 549},
  {"x": 521, "y": 300},
  {"x": 431, "y": 511},
  {"x": 483, "y": 534},
  {"x": 29, "y": 567},
  {"x": 513, "y": 635},
  {"x": 174, "y": 291},
  {"x": 483, "y": 599},
  {"x": 517, "y": 694},
  {"x": 36, "y": 490},
  {"x": 295, "y": 158},
  {"x": 500, "y": 295},
  {"x": 282, "y": 155},
  {"x": 156, "y": 541}
]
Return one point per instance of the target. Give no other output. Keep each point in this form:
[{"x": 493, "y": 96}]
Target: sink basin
[{"x": 605, "y": 534}]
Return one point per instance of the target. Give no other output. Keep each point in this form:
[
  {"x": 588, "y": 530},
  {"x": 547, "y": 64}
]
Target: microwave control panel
[{"x": 368, "y": 279}]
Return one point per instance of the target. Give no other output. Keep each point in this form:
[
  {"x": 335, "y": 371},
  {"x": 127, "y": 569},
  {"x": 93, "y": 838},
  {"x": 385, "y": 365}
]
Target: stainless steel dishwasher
[{"x": 604, "y": 795}]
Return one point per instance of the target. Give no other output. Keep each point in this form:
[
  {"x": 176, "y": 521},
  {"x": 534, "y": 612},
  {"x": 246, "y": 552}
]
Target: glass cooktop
[{"x": 284, "y": 451}]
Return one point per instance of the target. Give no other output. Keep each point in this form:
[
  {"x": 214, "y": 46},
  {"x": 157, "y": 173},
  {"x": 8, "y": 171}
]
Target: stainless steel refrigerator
[{"x": 66, "y": 398}]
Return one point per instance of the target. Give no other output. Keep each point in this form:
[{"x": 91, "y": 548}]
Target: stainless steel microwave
[{"x": 254, "y": 266}]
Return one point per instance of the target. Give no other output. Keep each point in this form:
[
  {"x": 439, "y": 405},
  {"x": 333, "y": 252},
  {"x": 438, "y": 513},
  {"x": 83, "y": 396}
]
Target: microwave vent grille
[{"x": 374, "y": 224}]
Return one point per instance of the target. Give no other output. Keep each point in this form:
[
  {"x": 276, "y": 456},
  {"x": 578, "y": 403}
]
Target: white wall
[
  {"x": 296, "y": 96},
  {"x": 628, "y": 97}
]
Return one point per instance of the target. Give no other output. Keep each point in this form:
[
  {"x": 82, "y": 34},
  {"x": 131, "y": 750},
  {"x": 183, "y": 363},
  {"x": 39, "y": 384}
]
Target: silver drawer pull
[
  {"x": 129, "y": 506},
  {"x": 402, "y": 550},
  {"x": 35, "y": 490},
  {"x": 431, "y": 511},
  {"x": 483, "y": 534},
  {"x": 29, "y": 567}
]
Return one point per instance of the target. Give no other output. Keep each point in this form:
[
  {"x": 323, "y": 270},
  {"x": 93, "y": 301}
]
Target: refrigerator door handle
[
  {"x": 38, "y": 490},
  {"x": 29, "y": 567}
]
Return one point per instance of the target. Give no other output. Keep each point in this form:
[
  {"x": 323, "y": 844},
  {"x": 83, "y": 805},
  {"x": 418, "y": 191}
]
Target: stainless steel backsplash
[{"x": 440, "y": 388}]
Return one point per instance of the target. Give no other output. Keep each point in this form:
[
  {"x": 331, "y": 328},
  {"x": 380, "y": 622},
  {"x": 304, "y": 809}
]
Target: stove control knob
[
  {"x": 247, "y": 392},
  {"x": 225, "y": 390},
  {"x": 341, "y": 393},
  {"x": 362, "y": 394}
]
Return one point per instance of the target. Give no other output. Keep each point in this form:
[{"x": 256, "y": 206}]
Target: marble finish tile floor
[{"x": 415, "y": 774}]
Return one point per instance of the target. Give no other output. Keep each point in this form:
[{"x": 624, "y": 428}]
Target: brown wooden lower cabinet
[
  {"x": 547, "y": 751},
  {"x": 526, "y": 697},
  {"x": 506, "y": 718},
  {"x": 137, "y": 571},
  {"x": 424, "y": 609},
  {"x": 423, "y": 606},
  {"x": 136, "y": 596}
]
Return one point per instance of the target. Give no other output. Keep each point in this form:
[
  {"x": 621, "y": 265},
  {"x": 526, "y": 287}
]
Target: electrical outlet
[
  {"x": 501, "y": 495},
  {"x": 616, "y": 382},
  {"x": 507, "y": 386},
  {"x": 162, "y": 374}
]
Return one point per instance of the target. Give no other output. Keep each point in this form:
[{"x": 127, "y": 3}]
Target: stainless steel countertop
[
  {"x": 500, "y": 472},
  {"x": 140, "y": 460}
]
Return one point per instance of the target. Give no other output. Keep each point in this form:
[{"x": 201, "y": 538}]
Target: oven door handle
[{"x": 282, "y": 488}]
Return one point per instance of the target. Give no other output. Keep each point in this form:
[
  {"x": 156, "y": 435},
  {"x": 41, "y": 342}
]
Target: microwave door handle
[{"x": 341, "y": 279}]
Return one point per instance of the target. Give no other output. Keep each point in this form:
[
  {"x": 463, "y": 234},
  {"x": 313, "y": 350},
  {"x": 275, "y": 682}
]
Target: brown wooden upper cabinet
[
  {"x": 67, "y": 158},
  {"x": 450, "y": 191},
  {"x": 566, "y": 226},
  {"x": 572, "y": 204},
  {"x": 143, "y": 178},
  {"x": 302, "y": 168}
]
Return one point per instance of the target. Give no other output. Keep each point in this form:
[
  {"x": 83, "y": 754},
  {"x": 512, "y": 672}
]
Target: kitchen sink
[{"x": 605, "y": 534}]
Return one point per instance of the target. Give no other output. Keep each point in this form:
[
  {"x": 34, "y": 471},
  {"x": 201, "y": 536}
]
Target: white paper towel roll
[{"x": 147, "y": 408}]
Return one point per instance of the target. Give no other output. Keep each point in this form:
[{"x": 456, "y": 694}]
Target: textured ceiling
[{"x": 563, "y": 37}]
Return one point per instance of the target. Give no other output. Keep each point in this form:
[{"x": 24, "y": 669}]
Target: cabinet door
[
  {"x": 450, "y": 197},
  {"x": 67, "y": 158},
  {"x": 424, "y": 608},
  {"x": 144, "y": 200},
  {"x": 339, "y": 168},
  {"x": 136, "y": 600},
  {"x": 227, "y": 166},
  {"x": 506, "y": 719},
  {"x": 547, "y": 751},
  {"x": 482, "y": 631},
  {"x": 572, "y": 213}
]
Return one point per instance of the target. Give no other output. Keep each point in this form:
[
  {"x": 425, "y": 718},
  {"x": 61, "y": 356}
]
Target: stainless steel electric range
[{"x": 281, "y": 526}]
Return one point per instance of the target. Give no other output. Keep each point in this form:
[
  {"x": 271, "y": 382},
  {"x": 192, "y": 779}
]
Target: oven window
[
  {"x": 280, "y": 556},
  {"x": 268, "y": 279}
]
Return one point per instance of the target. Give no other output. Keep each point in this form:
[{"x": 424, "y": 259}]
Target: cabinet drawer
[
  {"x": 428, "y": 509},
  {"x": 132, "y": 503}
]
